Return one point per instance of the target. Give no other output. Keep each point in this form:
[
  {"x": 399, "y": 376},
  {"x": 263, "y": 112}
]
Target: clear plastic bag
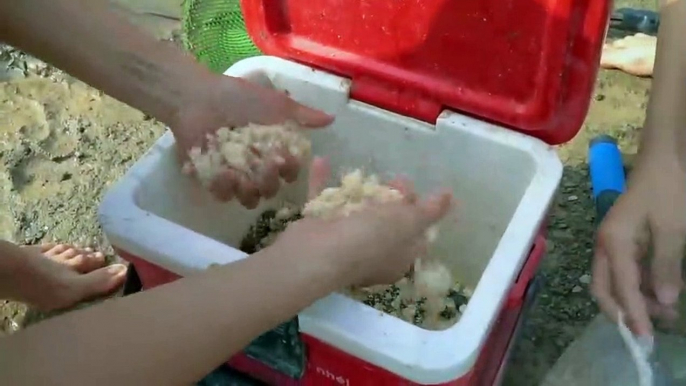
[{"x": 599, "y": 357}]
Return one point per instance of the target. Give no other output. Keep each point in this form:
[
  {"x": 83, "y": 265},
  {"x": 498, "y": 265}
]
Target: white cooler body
[{"x": 504, "y": 182}]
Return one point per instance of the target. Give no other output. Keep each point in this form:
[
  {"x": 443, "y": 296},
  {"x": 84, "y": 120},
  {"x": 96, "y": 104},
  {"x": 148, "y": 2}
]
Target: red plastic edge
[
  {"x": 559, "y": 101},
  {"x": 510, "y": 322},
  {"x": 528, "y": 271}
]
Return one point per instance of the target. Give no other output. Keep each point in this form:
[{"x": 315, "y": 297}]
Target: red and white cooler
[{"x": 470, "y": 95}]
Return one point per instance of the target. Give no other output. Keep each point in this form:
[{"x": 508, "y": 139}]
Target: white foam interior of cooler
[{"x": 488, "y": 178}]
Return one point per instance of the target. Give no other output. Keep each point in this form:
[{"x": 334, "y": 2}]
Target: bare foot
[
  {"x": 634, "y": 55},
  {"x": 58, "y": 276}
]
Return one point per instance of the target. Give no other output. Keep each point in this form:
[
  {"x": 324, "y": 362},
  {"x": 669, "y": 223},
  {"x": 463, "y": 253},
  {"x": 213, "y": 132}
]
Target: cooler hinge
[{"x": 399, "y": 100}]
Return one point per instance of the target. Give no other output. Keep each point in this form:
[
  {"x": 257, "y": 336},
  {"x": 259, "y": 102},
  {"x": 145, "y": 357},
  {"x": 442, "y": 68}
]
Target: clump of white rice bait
[
  {"x": 355, "y": 192},
  {"x": 246, "y": 149},
  {"x": 431, "y": 281}
]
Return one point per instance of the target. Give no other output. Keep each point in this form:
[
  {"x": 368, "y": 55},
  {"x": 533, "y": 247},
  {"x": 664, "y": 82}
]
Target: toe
[
  {"x": 45, "y": 247},
  {"x": 68, "y": 254},
  {"x": 100, "y": 282},
  {"x": 84, "y": 262},
  {"x": 55, "y": 250},
  {"x": 81, "y": 260}
]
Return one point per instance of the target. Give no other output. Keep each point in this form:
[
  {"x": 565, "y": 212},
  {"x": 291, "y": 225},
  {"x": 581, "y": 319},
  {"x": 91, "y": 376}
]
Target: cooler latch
[{"x": 400, "y": 100}]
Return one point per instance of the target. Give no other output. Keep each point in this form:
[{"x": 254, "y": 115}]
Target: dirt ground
[{"x": 62, "y": 143}]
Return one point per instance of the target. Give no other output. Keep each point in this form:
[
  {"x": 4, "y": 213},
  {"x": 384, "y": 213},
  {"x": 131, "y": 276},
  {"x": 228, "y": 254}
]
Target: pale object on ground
[
  {"x": 246, "y": 149},
  {"x": 633, "y": 54}
]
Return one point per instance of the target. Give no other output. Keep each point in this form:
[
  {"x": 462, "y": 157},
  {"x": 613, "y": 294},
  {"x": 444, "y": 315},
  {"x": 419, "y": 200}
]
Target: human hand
[
  {"x": 233, "y": 102},
  {"x": 652, "y": 213},
  {"x": 376, "y": 245}
]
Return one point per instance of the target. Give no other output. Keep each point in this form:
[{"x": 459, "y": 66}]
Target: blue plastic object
[
  {"x": 635, "y": 20},
  {"x": 608, "y": 178},
  {"x": 606, "y": 166}
]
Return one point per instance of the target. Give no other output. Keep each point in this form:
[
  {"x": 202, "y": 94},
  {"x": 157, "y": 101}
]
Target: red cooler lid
[{"x": 526, "y": 64}]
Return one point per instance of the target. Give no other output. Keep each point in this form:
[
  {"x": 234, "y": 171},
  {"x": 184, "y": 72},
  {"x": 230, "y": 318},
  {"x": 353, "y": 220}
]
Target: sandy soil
[{"x": 62, "y": 143}]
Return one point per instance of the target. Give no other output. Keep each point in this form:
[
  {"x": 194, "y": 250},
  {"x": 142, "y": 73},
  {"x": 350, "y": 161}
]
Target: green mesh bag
[{"x": 214, "y": 31}]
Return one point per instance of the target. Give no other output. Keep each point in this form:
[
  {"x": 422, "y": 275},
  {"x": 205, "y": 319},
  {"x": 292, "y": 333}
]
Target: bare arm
[
  {"x": 665, "y": 129},
  {"x": 93, "y": 42},
  {"x": 172, "y": 335}
]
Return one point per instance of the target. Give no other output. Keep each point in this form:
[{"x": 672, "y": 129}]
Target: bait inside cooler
[{"x": 469, "y": 95}]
